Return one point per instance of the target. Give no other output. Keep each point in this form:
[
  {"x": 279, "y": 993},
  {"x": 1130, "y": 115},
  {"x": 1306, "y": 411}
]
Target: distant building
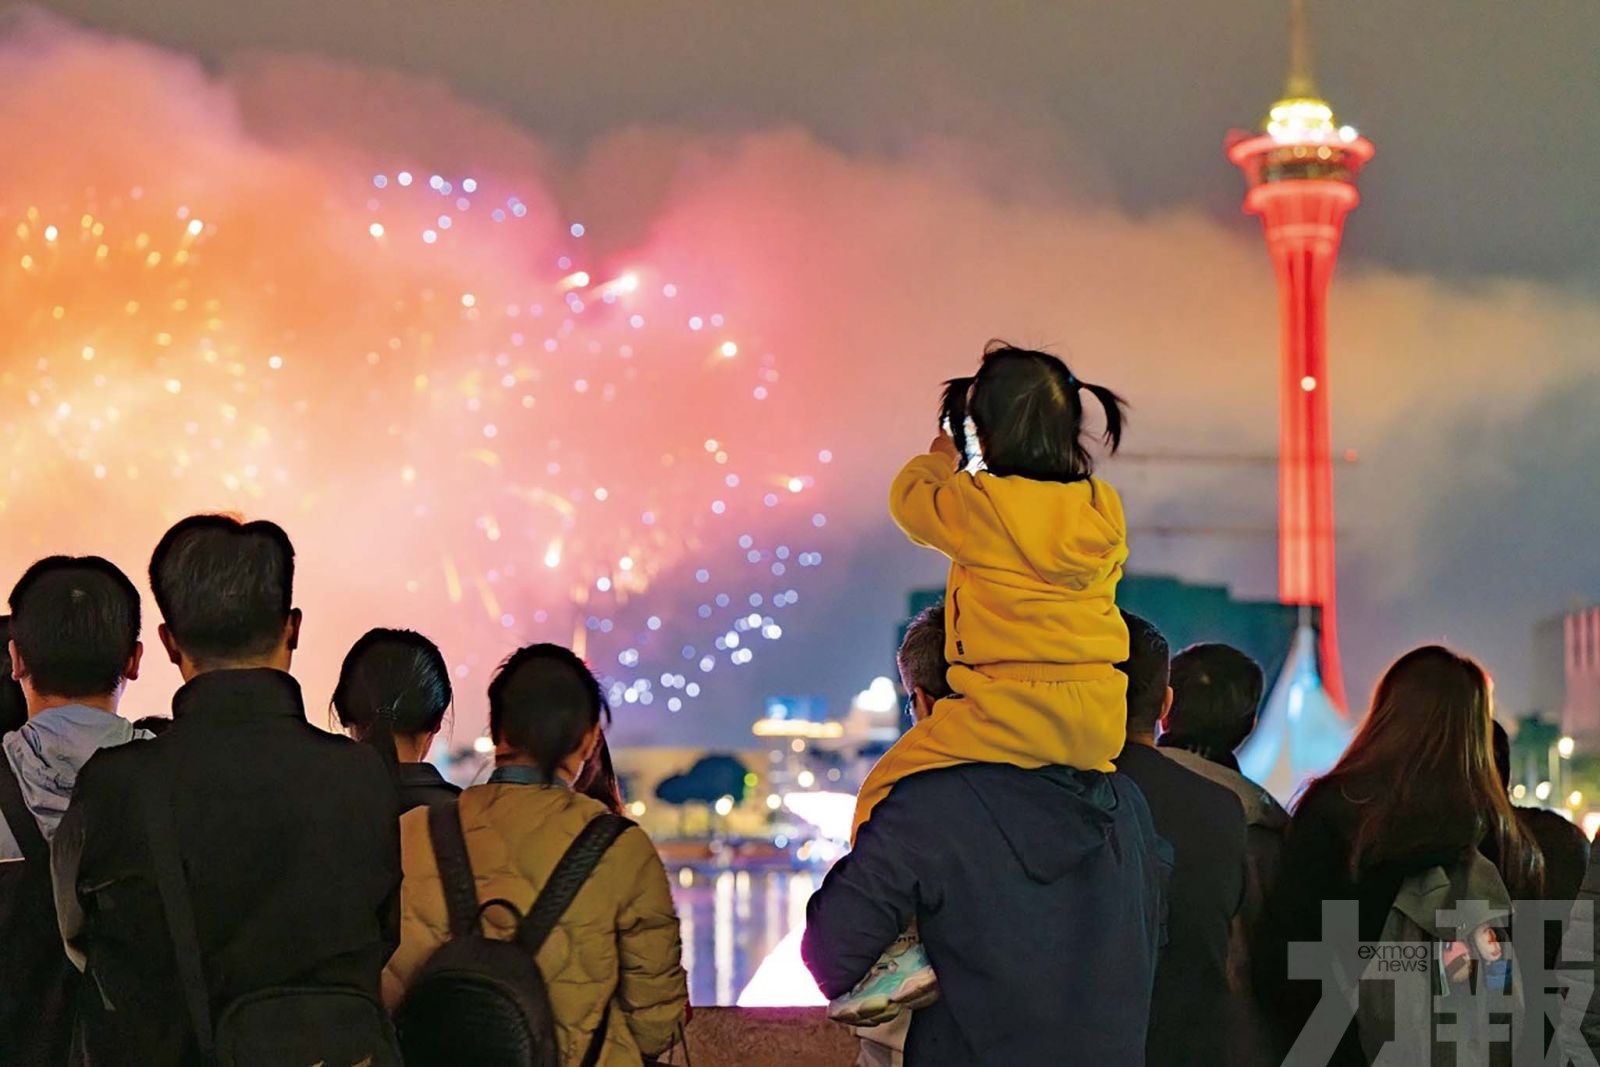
[
  {"x": 1301, "y": 732},
  {"x": 1187, "y": 613},
  {"x": 1566, "y": 673}
]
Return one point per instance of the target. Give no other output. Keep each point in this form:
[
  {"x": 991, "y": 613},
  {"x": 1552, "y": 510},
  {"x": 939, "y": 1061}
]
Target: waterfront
[{"x": 733, "y": 920}]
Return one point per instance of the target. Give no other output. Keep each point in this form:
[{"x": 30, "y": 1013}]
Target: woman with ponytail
[
  {"x": 1032, "y": 632},
  {"x": 393, "y": 694}
]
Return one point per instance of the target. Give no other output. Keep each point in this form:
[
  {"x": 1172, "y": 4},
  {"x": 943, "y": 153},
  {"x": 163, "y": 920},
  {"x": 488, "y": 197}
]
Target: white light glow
[{"x": 831, "y": 813}]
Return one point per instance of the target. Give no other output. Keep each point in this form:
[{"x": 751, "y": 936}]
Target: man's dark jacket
[
  {"x": 1192, "y": 1020},
  {"x": 290, "y": 846},
  {"x": 1039, "y": 897}
]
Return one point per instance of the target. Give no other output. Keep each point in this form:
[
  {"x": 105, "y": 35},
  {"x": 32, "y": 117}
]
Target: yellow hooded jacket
[
  {"x": 615, "y": 951},
  {"x": 1032, "y": 628}
]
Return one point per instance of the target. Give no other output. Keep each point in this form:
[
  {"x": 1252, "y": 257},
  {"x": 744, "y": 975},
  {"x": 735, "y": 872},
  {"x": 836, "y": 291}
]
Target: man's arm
[
  {"x": 386, "y": 822},
  {"x": 869, "y": 897}
]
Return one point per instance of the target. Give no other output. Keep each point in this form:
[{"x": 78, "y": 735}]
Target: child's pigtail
[
  {"x": 1116, "y": 412},
  {"x": 953, "y": 413}
]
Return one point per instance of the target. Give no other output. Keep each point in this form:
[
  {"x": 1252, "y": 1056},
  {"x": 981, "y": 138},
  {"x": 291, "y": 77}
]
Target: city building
[{"x": 1566, "y": 674}]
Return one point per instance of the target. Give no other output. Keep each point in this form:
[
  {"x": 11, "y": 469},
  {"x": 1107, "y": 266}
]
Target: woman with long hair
[{"x": 1416, "y": 789}]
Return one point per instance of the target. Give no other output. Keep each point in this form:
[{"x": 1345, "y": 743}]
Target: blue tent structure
[{"x": 1300, "y": 734}]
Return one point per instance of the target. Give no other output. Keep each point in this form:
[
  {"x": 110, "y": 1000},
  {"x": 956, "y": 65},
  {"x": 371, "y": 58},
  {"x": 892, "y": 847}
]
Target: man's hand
[{"x": 944, "y": 446}]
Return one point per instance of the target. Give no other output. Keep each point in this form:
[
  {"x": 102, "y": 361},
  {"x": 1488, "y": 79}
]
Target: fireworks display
[{"x": 518, "y": 439}]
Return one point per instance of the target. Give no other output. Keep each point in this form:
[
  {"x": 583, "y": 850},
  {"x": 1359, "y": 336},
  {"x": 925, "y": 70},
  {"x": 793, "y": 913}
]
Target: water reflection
[{"x": 732, "y": 920}]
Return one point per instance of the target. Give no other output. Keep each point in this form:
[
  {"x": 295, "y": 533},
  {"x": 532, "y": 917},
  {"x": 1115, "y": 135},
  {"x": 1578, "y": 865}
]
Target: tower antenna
[{"x": 1301, "y": 85}]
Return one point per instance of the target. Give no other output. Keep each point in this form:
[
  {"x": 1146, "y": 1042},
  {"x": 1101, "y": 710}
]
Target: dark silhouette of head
[
  {"x": 75, "y": 627},
  {"x": 1027, "y": 410},
  {"x": 1148, "y": 668},
  {"x": 393, "y": 683},
  {"x": 225, "y": 589},
  {"x": 543, "y": 703},
  {"x": 1216, "y": 692},
  {"x": 1502, "y": 755},
  {"x": 13, "y": 705},
  {"x": 921, "y": 656},
  {"x": 1421, "y": 771}
]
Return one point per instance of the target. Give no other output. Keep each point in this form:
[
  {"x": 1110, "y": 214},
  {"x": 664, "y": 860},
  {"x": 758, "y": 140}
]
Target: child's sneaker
[{"x": 901, "y": 980}]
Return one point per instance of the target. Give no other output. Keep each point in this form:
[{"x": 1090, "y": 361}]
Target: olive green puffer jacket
[{"x": 616, "y": 950}]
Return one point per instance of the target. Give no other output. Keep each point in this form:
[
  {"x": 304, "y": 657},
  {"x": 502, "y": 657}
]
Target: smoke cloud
[{"x": 869, "y": 277}]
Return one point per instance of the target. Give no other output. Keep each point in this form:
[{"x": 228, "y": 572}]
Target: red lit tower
[{"x": 1301, "y": 174}]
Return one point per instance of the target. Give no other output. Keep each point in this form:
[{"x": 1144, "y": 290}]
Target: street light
[
  {"x": 1565, "y": 747},
  {"x": 1542, "y": 790}
]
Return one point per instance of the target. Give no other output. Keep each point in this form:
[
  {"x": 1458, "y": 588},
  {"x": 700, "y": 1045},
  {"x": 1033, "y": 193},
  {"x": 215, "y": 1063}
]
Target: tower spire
[{"x": 1300, "y": 84}]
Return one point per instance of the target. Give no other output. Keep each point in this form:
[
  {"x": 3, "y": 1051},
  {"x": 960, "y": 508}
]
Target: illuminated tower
[{"x": 1301, "y": 174}]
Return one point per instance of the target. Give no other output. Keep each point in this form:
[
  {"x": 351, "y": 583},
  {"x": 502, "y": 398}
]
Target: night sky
[{"x": 886, "y": 185}]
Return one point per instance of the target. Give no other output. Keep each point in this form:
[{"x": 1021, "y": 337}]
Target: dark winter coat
[
  {"x": 290, "y": 847},
  {"x": 1039, "y": 896}
]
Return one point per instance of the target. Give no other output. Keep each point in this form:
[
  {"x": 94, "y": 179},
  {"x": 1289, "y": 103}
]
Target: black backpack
[
  {"x": 482, "y": 1000},
  {"x": 38, "y": 984},
  {"x": 285, "y": 1026}
]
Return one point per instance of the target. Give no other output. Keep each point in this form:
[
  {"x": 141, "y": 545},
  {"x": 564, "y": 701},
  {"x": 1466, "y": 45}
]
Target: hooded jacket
[
  {"x": 47, "y": 752},
  {"x": 1031, "y": 623},
  {"x": 39, "y": 987},
  {"x": 1039, "y": 896},
  {"x": 615, "y": 954}
]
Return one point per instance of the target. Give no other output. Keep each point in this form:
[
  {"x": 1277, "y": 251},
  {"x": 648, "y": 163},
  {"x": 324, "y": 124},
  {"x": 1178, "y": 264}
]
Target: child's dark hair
[
  {"x": 542, "y": 701},
  {"x": 1027, "y": 409},
  {"x": 392, "y": 682}
]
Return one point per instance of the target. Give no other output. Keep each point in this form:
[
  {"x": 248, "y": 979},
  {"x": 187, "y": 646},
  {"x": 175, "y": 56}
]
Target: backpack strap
[
  {"x": 572, "y": 871},
  {"x": 161, "y": 834},
  {"x": 18, "y": 816},
  {"x": 569, "y": 876},
  {"x": 455, "y": 868}
]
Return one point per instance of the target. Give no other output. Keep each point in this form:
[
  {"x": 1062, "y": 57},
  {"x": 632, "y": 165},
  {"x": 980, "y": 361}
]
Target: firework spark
[{"x": 573, "y": 449}]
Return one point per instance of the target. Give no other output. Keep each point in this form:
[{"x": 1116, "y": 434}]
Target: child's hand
[{"x": 944, "y": 446}]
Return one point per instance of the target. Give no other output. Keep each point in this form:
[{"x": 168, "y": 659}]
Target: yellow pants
[{"x": 1029, "y": 715}]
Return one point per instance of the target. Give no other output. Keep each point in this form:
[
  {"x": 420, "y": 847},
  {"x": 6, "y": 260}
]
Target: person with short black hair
[
  {"x": 615, "y": 979},
  {"x": 1216, "y": 691},
  {"x": 1192, "y": 1014},
  {"x": 284, "y": 834},
  {"x": 72, "y": 645},
  {"x": 393, "y": 694}
]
